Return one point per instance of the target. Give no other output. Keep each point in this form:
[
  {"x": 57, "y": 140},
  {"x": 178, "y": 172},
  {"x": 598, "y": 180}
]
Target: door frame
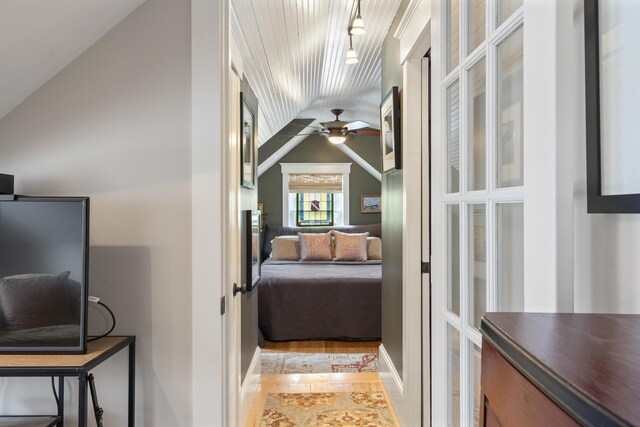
[
  {"x": 214, "y": 389},
  {"x": 406, "y": 392},
  {"x": 426, "y": 239}
]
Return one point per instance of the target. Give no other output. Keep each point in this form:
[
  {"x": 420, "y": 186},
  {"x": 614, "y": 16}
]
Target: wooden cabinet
[{"x": 560, "y": 370}]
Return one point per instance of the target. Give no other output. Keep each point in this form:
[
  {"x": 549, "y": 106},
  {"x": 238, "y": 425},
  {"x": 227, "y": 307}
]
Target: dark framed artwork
[
  {"x": 390, "y": 142},
  {"x": 248, "y": 145},
  {"x": 370, "y": 203},
  {"x": 612, "y": 88}
]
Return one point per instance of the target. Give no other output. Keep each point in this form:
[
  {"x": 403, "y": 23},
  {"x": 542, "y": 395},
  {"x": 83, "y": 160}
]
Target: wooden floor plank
[{"x": 323, "y": 346}]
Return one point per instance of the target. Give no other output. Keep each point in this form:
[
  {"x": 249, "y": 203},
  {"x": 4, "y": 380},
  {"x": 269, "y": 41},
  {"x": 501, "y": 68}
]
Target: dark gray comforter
[{"x": 320, "y": 300}]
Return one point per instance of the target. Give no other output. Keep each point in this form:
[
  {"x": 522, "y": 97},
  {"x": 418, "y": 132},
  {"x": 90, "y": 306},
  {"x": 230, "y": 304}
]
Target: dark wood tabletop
[{"x": 589, "y": 364}]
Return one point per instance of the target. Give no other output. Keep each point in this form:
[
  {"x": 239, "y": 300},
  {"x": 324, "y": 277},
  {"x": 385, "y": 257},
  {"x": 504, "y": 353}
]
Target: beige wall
[{"x": 115, "y": 125}]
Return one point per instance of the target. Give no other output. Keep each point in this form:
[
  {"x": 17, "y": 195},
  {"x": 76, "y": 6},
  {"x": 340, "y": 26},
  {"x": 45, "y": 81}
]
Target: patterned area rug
[
  {"x": 357, "y": 409},
  {"x": 317, "y": 363}
]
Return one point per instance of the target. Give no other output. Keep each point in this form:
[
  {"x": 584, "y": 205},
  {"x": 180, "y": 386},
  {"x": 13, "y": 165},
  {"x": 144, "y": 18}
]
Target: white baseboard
[
  {"x": 392, "y": 383},
  {"x": 250, "y": 387}
]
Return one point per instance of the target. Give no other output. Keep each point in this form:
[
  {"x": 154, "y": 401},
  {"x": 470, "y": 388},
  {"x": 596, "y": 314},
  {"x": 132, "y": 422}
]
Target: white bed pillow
[
  {"x": 285, "y": 248},
  {"x": 374, "y": 248},
  {"x": 350, "y": 246},
  {"x": 315, "y": 246}
]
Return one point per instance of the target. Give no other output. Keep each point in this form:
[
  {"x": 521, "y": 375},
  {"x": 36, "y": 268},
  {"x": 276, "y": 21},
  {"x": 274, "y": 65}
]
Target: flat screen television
[{"x": 44, "y": 249}]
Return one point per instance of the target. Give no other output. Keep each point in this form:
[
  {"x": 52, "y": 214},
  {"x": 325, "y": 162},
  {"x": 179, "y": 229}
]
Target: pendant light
[
  {"x": 357, "y": 26},
  {"x": 352, "y": 56}
]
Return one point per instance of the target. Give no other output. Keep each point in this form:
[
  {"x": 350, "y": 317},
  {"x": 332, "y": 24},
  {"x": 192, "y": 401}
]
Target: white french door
[{"x": 477, "y": 192}]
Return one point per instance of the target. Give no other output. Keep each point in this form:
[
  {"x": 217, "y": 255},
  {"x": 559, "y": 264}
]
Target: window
[
  {"x": 315, "y": 194},
  {"x": 314, "y": 209}
]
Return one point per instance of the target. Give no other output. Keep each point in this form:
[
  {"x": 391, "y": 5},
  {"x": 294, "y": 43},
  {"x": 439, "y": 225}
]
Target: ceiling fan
[{"x": 339, "y": 132}]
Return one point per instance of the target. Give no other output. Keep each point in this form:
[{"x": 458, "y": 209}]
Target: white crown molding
[
  {"x": 406, "y": 18},
  {"x": 282, "y": 151},
  {"x": 359, "y": 160}
]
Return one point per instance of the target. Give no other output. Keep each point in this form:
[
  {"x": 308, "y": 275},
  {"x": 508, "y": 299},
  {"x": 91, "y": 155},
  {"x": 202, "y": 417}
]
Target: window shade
[{"x": 315, "y": 183}]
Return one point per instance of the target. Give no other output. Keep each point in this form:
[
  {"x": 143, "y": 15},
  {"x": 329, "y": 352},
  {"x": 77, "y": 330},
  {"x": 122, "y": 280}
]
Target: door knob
[{"x": 242, "y": 289}]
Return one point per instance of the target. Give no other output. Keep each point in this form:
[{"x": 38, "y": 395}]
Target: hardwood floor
[
  {"x": 323, "y": 346},
  {"x": 317, "y": 383}
]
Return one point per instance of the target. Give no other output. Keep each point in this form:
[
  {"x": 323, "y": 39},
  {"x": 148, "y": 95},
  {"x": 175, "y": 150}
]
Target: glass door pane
[
  {"x": 510, "y": 228},
  {"x": 453, "y": 138},
  {"x": 506, "y": 8},
  {"x": 453, "y": 34},
  {"x": 453, "y": 243},
  {"x": 453, "y": 369},
  {"x": 510, "y": 95},
  {"x": 476, "y": 19},
  {"x": 477, "y": 263},
  {"x": 474, "y": 380},
  {"x": 477, "y": 126}
]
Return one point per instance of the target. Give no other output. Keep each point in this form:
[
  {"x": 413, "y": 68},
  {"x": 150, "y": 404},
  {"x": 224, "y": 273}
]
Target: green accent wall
[
  {"x": 316, "y": 149},
  {"x": 393, "y": 214},
  {"x": 283, "y": 136}
]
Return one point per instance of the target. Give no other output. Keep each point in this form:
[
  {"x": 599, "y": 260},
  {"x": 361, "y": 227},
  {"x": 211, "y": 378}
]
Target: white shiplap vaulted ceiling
[{"x": 294, "y": 58}]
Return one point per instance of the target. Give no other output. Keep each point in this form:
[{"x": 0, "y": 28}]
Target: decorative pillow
[
  {"x": 37, "y": 300},
  {"x": 285, "y": 248},
  {"x": 374, "y": 248},
  {"x": 350, "y": 246},
  {"x": 315, "y": 247}
]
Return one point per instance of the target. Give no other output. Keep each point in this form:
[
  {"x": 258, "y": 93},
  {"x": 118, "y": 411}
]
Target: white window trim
[{"x": 329, "y": 168}]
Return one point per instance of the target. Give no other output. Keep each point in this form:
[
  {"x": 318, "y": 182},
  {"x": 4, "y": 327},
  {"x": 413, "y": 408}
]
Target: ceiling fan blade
[
  {"x": 337, "y": 124},
  {"x": 303, "y": 134},
  {"x": 305, "y": 126},
  {"x": 358, "y": 124},
  {"x": 369, "y": 132}
]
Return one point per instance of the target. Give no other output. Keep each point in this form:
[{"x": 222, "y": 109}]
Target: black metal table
[{"x": 74, "y": 365}]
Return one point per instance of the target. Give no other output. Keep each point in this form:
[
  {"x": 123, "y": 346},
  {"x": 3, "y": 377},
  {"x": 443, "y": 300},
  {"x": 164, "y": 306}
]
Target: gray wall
[
  {"x": 392, "y": 214},
  {"x": 316, "y": 149},
  {"x": 249, "y": 304},
  {"x": 115, "y": 125},
  {"x": 606, "y": 246}
]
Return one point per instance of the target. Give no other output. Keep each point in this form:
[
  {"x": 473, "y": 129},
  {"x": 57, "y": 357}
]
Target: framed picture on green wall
[
  {"x": 370, "y": 203},
  {"x": 390, "y": 131}
]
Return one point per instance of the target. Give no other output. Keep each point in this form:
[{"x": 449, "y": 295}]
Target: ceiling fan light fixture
[
  {"x": 337, "y": 139},
  {"x": 352, "y": 56}
]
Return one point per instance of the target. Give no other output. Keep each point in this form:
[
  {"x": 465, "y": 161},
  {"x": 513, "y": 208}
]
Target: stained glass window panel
[{"x": 314, "y": 209}]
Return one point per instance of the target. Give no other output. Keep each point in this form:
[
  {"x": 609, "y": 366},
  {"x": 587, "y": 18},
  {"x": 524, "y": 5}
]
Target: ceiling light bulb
[
  {"x": 335, "y": 139},
  {"x": 352, "y": 56},
  {"x": 357, "y": 27}
]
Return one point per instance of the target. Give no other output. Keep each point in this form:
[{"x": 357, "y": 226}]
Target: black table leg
[
  {"x": 132, "y": 383},
  {"x": 82, "y": 400},
  {"x": 61, "y": 401}
]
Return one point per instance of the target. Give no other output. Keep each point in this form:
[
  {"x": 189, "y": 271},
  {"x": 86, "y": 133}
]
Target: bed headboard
[{"x": 272, "y": 231}]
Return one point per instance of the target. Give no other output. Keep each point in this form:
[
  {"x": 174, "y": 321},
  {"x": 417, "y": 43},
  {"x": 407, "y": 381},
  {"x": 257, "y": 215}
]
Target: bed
[{"x": 303, "y": 300}]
